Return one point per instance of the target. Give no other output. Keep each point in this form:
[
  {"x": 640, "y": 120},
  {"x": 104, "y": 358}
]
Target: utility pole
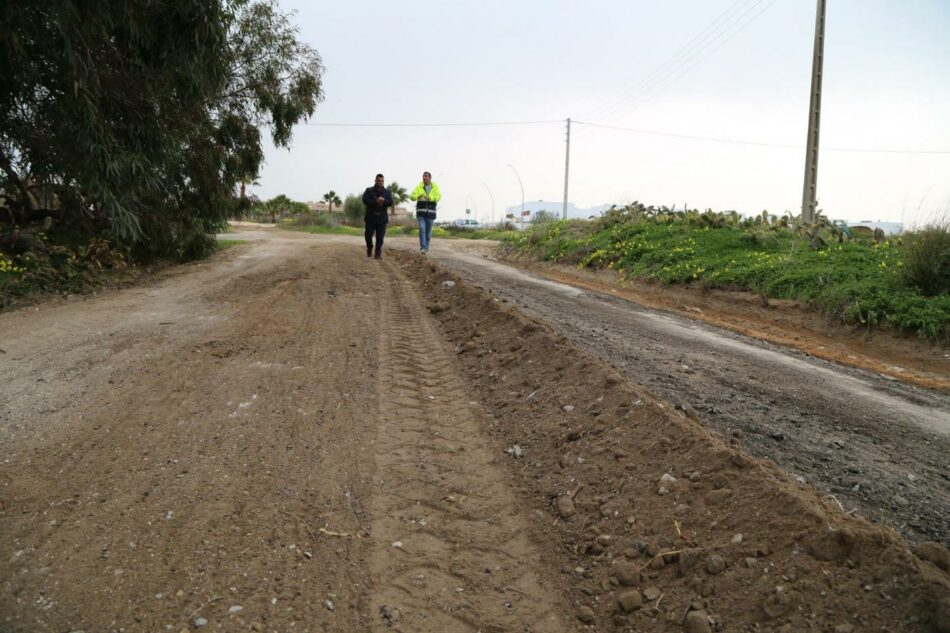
[
  {"x": 810, "y": 187},
  {"x": 567, "y": 167}
]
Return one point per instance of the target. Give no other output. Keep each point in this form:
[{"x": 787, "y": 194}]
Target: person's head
[
  {"x": 380, "y": 181},
  {"x": 426, "y": 177}
]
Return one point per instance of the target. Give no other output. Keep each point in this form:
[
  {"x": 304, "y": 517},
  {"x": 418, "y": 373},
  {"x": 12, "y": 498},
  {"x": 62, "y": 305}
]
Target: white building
[{"x": 534, "y": 207}]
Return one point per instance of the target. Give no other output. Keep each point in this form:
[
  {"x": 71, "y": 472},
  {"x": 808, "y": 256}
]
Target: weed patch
[{"x": 901, "y": 283}]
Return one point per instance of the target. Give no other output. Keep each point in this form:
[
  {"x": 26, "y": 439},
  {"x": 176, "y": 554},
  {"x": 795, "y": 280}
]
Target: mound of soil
[{"x": 655, "y": 523}]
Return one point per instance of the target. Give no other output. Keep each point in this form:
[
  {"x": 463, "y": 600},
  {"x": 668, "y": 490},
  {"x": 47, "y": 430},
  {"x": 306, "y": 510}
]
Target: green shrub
[
  {"x": 927, "y": 259},
  {"x": 855, "y": 281}
]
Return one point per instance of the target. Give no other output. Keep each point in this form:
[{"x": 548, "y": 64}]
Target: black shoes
[
  {"x": 369, "y": 251},
  {"x": 378, "y": 256}
]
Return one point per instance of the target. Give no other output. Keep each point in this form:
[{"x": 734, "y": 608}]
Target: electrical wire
[
  {"x": 683, "y": 70},
  {"x": 451, "y": 124},
  {"x": 711, "y": 139},
  {"x": 697, "y": 43}
]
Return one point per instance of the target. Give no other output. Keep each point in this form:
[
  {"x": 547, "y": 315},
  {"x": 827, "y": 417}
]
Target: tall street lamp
[
  {"x": 522, "y": 192},
  {"x": 492, "y": 203},
  {"x": 474, "y": 205}
]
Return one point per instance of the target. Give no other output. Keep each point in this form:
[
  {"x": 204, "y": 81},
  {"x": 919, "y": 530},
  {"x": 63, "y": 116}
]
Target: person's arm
[
  {"x": 368, "y": 198},
  {"x": 388, "y": 196},
  {"x": 436, "y": 194},
  {"x": 418, "y": 192}
]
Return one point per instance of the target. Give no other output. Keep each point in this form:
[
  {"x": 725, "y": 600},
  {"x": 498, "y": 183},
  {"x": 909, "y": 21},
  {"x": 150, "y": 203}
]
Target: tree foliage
[
  {"x": 135, "y": 121},
  {"x": 353, "y": 209},
  {"x": 400, "y": 194},
  {"x": 276, "y": 208},
  {"x": 331, "y": 198}
]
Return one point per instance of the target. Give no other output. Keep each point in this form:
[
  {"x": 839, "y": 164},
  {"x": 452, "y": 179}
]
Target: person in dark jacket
[{"x": 377, "y": 200}]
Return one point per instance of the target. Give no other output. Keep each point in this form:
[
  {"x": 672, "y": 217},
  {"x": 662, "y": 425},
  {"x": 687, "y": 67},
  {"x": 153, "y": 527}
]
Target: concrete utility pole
[
  {"x": 810, "y": 188},
  {"x": 567, "y": 167}
]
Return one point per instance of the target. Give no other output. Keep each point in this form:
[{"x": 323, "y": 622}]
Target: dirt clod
[
  {"x": 585, "y": 614},
  {"x": 628, "y": 573},
  {"x": 697, "y": 622},
  {"x": 933, "y": 552},
  {"x": 630, "y": 600},
  {"x": 565, "y": 506},
  {"x": 715, "y": 564}
]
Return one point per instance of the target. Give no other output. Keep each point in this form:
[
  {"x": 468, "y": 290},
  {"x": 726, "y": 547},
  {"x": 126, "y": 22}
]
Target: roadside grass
[
  {"x": 401, "y": 227},
  {"x": 341, "y": 229},
  {"x": 223, "y": 245},
  {"x": 854, "y": 281}
]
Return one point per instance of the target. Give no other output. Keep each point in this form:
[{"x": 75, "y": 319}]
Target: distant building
[
  {"x": 320, "y": 205},
  {"x": 534, "y": 207}
]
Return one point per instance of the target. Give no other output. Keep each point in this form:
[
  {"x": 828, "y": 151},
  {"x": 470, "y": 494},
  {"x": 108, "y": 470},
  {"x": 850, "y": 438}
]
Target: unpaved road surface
[
  {"x": 292, "y": 436},
  {"x": 176, "y": 451}
]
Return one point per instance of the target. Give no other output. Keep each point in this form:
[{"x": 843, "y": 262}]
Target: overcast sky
[{"x": 745, "y": 75}]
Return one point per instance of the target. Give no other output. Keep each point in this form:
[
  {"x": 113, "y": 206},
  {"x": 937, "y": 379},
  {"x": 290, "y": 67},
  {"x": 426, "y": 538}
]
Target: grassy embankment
[{"x": 902, "y": 283}]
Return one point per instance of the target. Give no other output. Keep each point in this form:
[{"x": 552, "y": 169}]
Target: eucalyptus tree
[{"x": 137, "y": 120}]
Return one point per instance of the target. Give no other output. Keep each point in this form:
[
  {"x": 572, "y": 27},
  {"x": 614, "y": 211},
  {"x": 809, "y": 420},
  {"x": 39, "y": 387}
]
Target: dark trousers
[{"x": 375, "y": 224}]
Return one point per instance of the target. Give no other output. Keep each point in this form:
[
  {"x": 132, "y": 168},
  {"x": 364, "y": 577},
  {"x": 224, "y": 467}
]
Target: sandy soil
[{"x": 292, "y": 436}]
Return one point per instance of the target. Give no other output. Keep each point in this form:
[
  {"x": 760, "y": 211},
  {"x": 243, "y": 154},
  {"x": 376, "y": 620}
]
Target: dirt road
[
  {"x": 294, "y": 437},
  {"x": 251, "y": 441}
]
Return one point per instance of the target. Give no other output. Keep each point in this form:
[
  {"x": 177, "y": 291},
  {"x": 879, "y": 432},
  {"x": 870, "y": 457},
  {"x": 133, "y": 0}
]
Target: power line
[
  {"x": 690, "y": 137},
  {"x": 452, "y": 124},
  {"x": 672, "y": 59},
  {"x": 712, "y": 139},
  {"x": 683, "y": 70},
  {"x": 700, "y": 41}
]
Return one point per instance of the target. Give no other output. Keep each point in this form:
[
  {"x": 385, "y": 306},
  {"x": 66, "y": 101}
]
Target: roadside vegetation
[
  {"x": 223, "y": 245},
  {"x": 127, "y": 130},
  {"x": 900, "y": 282},
  {"x": 347, "y": 218}
]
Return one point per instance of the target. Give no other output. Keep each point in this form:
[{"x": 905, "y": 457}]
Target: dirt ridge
[{"x": 793, "y": 559}]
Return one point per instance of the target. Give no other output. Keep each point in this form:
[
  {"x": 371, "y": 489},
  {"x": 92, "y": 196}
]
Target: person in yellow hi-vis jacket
[{"x": 427, "y": 196}]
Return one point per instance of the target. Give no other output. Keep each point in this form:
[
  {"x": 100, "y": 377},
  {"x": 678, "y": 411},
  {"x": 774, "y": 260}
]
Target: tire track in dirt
[{"x": 450, "y": 546}]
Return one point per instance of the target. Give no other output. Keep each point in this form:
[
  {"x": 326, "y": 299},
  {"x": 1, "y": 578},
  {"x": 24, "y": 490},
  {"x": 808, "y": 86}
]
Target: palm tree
[
  {"x": 247, "y": 179},
  {"x": 331, "y": 199},
  {"x": 400, "y": 194}
]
